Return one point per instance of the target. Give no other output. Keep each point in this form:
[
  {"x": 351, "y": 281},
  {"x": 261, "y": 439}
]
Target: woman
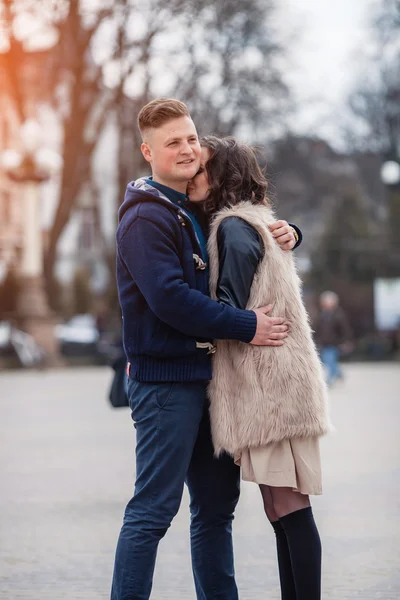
[{"x": 267, "y": 405}]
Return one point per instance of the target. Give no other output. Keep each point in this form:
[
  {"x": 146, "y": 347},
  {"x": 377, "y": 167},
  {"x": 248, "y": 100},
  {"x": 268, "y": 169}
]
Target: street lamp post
[
  {"x": 390, "y": 175},
  {"x": 30, "y": 169}
]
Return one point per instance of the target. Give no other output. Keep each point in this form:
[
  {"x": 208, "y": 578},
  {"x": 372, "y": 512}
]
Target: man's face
[
  {"x": 328, "y": 303},
  {"x": 173, "y": 150}
]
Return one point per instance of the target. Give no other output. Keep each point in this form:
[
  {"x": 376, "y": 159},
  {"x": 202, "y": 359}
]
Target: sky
[{"x": 332, "y": 39}]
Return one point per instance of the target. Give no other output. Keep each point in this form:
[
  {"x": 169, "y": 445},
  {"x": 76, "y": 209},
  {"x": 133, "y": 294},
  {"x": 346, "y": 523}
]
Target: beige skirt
[{"x": 291, "y": 463}]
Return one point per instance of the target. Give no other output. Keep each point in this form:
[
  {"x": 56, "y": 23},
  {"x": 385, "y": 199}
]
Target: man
[
  {"x": 169, "y": 324},
  {"x": 332, "y": 333}
]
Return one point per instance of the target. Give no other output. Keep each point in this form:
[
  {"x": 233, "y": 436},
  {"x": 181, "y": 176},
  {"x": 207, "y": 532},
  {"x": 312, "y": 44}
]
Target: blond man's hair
[{"x": 159, "y": 111}]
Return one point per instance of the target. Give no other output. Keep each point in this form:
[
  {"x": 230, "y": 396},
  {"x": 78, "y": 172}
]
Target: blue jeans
[
  {"x": 330, "y": 359},
  {"x": 173, "y": 445}
]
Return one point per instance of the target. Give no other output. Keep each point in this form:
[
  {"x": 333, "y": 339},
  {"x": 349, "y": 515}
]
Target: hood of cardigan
[{"x": 141, "y": 191}]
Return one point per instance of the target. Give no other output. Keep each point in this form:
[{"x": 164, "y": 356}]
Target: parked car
[
  {"x": 18, "y": 344},
  {"x": 79, "y": 336}
]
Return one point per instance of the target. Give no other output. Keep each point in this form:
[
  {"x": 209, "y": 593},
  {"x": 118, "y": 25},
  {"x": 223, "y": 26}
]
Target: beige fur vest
[{"x": 266, "y": 394}]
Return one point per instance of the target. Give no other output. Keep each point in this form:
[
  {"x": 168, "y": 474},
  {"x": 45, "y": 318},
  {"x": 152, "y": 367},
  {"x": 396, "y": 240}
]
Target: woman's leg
[
  {"x": 295, "y": 515},
  {"x": 285, "y": 500},
  {"x": 288, "y": 590}
]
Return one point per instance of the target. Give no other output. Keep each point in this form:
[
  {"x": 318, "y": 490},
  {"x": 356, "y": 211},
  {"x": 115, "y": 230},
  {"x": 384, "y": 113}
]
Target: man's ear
[{"x": 146, "y": 151}]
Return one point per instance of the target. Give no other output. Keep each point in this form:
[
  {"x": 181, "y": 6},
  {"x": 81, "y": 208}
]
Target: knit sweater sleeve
[
  {"x": 240, "y": 249},
  {"x": 150, "y": 253}
]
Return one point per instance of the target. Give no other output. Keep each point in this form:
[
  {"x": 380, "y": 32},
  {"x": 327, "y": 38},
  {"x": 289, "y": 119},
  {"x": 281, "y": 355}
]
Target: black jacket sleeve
[
  {"x": 299, "y": 235},
  {"x": 240, "y": 249}
]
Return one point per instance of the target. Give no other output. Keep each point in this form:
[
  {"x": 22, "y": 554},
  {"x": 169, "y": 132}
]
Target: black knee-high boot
[
  {"x": 288, "y": 590},
  {"x": 305, "y": 553}
]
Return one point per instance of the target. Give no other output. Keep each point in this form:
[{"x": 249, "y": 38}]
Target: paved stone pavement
[{"x": 66, "y": 472}]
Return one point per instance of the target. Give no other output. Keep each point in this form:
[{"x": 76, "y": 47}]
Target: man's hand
[
  {"x": 271, "y": 331},
  {"x": 284, "y": 234}
]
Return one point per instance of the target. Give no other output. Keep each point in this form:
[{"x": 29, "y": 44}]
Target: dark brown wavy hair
[{"x": 233, "y": 173}]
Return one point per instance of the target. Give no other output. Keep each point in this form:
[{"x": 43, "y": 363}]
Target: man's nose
[{"x": 186, "y": 148}]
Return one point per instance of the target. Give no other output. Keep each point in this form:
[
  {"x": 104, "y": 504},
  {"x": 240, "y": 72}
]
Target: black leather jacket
[{"x": 240, "y": 249}]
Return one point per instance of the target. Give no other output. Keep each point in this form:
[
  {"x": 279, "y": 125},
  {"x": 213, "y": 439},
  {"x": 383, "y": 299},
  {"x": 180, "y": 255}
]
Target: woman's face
[{"x": 199, "y": 188}]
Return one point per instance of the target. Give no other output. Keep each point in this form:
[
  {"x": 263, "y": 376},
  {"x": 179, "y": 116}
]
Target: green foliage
[
  {"x": 347, "y": 250},
  {"x": 394, "y": 219}
]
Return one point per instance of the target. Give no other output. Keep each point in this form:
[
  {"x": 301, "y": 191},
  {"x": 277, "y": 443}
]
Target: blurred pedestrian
[
  {"x": 268, "y": 406},
  {"x": 333, "y": 334}
]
